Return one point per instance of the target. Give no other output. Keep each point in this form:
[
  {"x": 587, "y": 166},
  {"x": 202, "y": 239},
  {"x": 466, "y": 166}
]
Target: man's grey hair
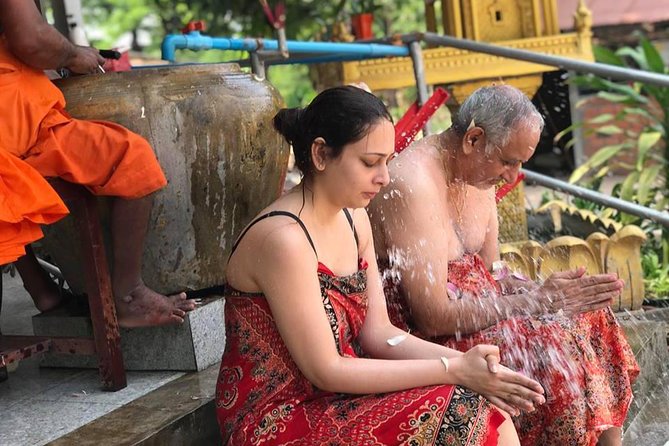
[{"x": 499, "y": 110}]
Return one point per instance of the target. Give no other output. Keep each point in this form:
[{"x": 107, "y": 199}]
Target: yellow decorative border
[{"x": 451, "y": 65}]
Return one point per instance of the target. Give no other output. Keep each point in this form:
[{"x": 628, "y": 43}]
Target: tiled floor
[{"x": 39, "y": 405}]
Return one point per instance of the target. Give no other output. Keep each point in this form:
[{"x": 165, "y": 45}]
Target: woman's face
[{"x": 361, "y": 170}]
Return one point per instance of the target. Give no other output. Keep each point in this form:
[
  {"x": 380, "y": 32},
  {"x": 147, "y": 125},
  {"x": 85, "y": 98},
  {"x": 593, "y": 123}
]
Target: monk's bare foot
[
  {"x": 143, "y": 307},
  {"x": 44, "y": 292}
]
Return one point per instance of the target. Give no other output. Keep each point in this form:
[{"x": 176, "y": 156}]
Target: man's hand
[
  {"x": 574, "y": 293},
  {"x": 85, "y": 60}
]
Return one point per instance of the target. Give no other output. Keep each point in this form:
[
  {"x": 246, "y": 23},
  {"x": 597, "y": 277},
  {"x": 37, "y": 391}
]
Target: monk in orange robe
[{"x": 39, "y": 139}]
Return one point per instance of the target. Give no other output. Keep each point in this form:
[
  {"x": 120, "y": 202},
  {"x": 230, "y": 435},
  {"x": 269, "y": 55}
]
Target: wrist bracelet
[{"x": 444, "y": 360}]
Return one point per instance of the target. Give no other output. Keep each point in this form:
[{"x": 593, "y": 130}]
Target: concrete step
[
  {"x": 649, "y": 344},
  {"x": 647, "y": 423},
  {"x": 650, "y": 427},
  {"x": 192, "y": 346},
  {"x": 181, "y": 413}
]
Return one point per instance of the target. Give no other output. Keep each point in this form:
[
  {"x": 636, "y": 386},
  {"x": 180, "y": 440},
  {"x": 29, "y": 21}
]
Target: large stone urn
[{"x": 210, "y": 126}]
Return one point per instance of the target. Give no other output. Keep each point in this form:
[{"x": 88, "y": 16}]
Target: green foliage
[
  {"x": 656, "y": 276},
  {"x": 305, "y": 20},
  {"x": 645, "y": 179},
  {"x": 363, "y": 6}
]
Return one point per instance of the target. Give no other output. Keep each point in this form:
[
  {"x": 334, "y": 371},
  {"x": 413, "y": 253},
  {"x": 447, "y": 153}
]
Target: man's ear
[
  {"x": 319, "y": 154},
  {"x": 474, "y": 140}
]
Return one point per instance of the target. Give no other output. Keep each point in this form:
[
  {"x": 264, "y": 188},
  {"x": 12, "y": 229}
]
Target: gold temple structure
[{"x": 522, "y": 24}]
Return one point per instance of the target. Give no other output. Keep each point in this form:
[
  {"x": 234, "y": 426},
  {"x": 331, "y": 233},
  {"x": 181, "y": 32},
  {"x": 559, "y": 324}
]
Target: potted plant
[{"x": 362, "y": 17}]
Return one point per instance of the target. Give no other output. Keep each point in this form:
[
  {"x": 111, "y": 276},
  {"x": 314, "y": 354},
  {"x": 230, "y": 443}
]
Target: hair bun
[{"x": 288, "y": 123}]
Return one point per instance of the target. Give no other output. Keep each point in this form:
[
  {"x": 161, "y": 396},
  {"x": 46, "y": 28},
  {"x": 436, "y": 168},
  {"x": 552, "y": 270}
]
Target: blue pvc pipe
[{"x": 196, "y": 41}]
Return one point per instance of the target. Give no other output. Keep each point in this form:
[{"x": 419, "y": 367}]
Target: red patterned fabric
[
  {"x": 263, "y": 398},
  {"x": 584, "y": 363}
]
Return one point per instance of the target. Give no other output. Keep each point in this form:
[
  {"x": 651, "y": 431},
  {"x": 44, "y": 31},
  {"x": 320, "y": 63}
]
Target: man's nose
[{"x": 511, "y": 174}]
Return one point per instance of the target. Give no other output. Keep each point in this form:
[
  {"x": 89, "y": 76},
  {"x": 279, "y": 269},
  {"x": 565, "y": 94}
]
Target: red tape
[{"x": 415, "y": 118}]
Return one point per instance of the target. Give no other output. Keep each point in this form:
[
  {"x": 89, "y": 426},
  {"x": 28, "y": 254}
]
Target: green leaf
[
  {"x": 627, "y": 188},
  {"x": 609, "y": 130},
  {"x": 634, "y": 54},
  {"x": 602, "y": 172},
  {"x": 646, "y": 180},
  {"x": 607, "y": 213},
  {"x": 655, "y": 62},
  {"x": 660, "y": 94},
  {"x": 579, "y": 172},
  {"x": 646, "y": 141},
  {"x": 607, "y": 56},
  {"x": 604, "y": 154},
  {"x": 661, "y": 205},
  {"x": 606, "y": 117},
  {"x": 638, "y": 111},
  {"x": 619, "y": 98},
  {"x": 562, "y": 133},
  {"x": 581, "y": 102},
  {"x": 600, "y": 157},
  {"x": 633, "y": 92}
]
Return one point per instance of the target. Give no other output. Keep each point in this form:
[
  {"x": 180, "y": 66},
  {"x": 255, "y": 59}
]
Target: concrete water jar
[{"x": 211, "y": 129}]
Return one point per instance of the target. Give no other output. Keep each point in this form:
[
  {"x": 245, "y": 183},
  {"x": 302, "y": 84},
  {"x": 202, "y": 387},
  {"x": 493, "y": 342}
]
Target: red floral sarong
[
  {"x": 263, "y": 398},
  {"x": 584, "y": 363}
]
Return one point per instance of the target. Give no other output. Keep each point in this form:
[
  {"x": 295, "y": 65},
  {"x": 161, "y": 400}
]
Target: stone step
[
  {"x": 648, "y": 420},
  {"x": 181, "y": 413},
  {"x": 649, "y": 344},
  {"x": 650, "y": 427},
  {"x": 192, "y": 346}
]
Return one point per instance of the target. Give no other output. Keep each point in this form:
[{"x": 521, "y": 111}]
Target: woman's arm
[
  {"x": 286, "y": 273},
  {"x": 482, "y": 361}
]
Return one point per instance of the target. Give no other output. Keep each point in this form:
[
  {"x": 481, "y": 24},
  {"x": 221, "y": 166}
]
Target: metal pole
[
  {"x": 600, "y": 69},
  {"x": 196, "y": 41},
  {"x": 419, "y": 73},
  {"x": 576, "y": 115},
  {"x": 257, "y": 65},
  {"x": 597, "y": 197}
]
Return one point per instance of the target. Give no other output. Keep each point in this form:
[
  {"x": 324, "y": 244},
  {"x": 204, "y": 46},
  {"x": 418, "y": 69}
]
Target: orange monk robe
[
  {"x": 26, "y": 201},
  {"x": 34, "y": 127}
]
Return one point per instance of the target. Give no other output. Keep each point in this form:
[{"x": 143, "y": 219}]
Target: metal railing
[
  {"x": 598, "y": 197},
  {"x": 314, "y": 52}
]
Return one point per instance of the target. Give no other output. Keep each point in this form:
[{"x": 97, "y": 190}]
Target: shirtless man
[
  {"x": 436, "y": 233},
  {"x": 37, "y": 136}
]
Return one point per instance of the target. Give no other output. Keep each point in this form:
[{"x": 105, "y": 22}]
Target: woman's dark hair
[{"x": 339, "y": 115}]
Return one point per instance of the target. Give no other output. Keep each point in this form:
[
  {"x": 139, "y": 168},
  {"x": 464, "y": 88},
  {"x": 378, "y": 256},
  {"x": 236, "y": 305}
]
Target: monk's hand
[
  {"x": 85, "y": 60},
  {"x": 508, "y": 390},
  {"x": 573, "y": 292}
]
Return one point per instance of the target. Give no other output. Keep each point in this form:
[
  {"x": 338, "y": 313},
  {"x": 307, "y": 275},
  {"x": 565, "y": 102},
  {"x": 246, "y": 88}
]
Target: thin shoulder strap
[
  {"x": 349, "y": 217},
  {"x": 272, "y": 214}
]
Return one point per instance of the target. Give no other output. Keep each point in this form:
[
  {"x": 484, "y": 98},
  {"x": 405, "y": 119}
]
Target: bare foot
[
  {"x": 143, "y": 307},
  {"x": 37, "y": 282},
  {"x": 43, "y": 290}
]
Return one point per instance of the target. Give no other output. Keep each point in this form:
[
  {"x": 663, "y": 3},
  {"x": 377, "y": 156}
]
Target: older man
[
  {"x": 39, "y": 139},
  {"x": 436, "y": 232}
]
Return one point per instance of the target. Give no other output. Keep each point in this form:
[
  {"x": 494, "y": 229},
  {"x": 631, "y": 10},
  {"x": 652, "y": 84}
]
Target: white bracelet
[{"x": 444, "y": 360}]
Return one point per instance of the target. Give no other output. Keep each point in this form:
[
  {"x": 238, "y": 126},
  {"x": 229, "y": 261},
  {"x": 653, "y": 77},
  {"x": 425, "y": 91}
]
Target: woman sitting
[{"x": 311, "y": 357}]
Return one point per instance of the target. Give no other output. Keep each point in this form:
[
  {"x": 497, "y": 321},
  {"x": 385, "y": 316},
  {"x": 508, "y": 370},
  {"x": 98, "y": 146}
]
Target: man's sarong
[{"x": 584, "y": 363}]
